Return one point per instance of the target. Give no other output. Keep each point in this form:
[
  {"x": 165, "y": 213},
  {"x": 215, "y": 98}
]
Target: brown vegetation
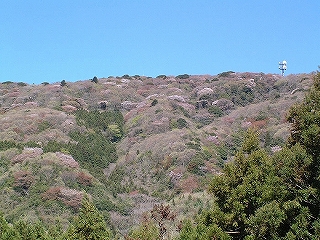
[{"x": 70, "y": 197}]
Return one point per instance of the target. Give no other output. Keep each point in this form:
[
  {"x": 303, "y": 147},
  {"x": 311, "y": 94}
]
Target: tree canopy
[{"x": 89, "y": 224}]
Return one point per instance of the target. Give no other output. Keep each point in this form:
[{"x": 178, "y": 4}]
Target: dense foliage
[
  {"x": 94, "y": 150},
  {"x": 109, "y": 122},
  {"x": 89, "y": 224},
  {"x": 269, "y": 197}
]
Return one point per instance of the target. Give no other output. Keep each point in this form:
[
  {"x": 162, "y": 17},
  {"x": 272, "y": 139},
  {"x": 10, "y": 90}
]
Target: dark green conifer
[{"x": 89, "y": 225}]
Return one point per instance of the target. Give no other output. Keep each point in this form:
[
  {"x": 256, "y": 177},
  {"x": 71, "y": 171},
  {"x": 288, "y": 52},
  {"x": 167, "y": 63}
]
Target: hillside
[{"x": 140, "y": 141}]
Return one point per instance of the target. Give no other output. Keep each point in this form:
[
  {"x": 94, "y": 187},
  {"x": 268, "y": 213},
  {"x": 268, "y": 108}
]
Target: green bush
[
  {"x": 22, "y": 84},
  {"x": 43, "y": 126},
  {"x": 225, "y": 74},
  {"x": 126, "y": 76},
  {"x": 4, "y": 145},
  {"x": 216, "y": 111},
  {"x": 240, "y": 95},
  {"x": 54, "y": 146},
  {"x": 162, "y": 76},
  {"x": 181, "y": 123},
  {"x": 7, "y": 82},
  {"x": 154, "y": 102},
  {"x": 195, "y": 163},
  {"x": 183, "y": 76}
]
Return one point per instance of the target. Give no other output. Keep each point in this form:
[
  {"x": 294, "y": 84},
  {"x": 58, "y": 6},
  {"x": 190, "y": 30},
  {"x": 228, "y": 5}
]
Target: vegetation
[
  {"x": 162, "y": 76},
  {"x": 94, "y": 79},
  {"x": 154, "y": 226},
  {"x": 216, "y": 111},
  {"x": 225, "y": 74},
  {"x": 183, "y": 76},
  {"x": 110, "y": 123},
  {"x": 63, "y": 83},
  {"x": 93, "y": 151},
  {"x": 91, "y": 160},
  {"x": 154, "y": 102},
  {"x": 21, "y": 84},
  {"x": 7, "y": 82},
  {"x": 89, "y": 224},
  {"x": 269, "y": 197}
]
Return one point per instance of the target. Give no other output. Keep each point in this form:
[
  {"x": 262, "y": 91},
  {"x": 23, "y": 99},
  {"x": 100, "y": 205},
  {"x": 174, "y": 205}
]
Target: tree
[
  {"x": 305, "y": 131},
  {"x": 305, "y": 127},
  {"x": 154, "y": 102},
  {"x": 6, "y": 232},
  {"x": 94, "y": 79},
  {"x": 63, "y": 83},
  {"x": 29, "y": 231},
  {"x": 89, "y": 225},
  {"x": 202, "y": 232},
  {"x": 242, "y": 189},
  {"x": 147, "y": 230}
]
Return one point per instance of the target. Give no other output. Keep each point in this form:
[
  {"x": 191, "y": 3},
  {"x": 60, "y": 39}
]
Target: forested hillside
[{"x": 231, "y": 156}]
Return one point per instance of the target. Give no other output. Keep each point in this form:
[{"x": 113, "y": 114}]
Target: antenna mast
[{"x": 283, "y": 67}]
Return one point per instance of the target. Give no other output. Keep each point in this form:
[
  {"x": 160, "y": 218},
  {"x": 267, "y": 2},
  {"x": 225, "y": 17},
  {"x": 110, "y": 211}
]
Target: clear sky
[{"x": 52, "y": 40}]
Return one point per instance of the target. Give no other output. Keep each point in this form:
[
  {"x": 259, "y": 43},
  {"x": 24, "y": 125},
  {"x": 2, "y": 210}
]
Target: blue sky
[{"x": 52, "y": 40}]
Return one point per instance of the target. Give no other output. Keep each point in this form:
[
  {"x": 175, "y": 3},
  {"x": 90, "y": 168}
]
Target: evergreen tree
[
  {"x": 148, "y": 230},
  {"x": 29, "y": 231},
  {"x": 305, "y": 130},
  {"x": 63, "y": 83},
  {"x": 6, "y": 232},
  {"x": 89, "y": 225},
  {"x": 94, "y": 79}
]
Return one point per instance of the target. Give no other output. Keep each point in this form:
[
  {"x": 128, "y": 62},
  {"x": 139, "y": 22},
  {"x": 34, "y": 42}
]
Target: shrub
[
  {"x": 196, "y": 163},
  {"x": 181, "y": 123},
  {"x": 7, "y": 82},
  {"x": 154, "y": 102},
  {"x": 21, "y": 84},
  {"x": 54, "y": 146},
  {"x": 126, "y": 76},
  {"x": 5, "y": 145},
  {"x": 162, "y": 76},
  {"x": 240, "y": 94},
  {"x": 43, "y": 126},
  {"x": 93, "y": 150},
  {"x": 225, "y": 74},
  {"x": 183, "y": 76},
  {"x": 216, "y": 111}
]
